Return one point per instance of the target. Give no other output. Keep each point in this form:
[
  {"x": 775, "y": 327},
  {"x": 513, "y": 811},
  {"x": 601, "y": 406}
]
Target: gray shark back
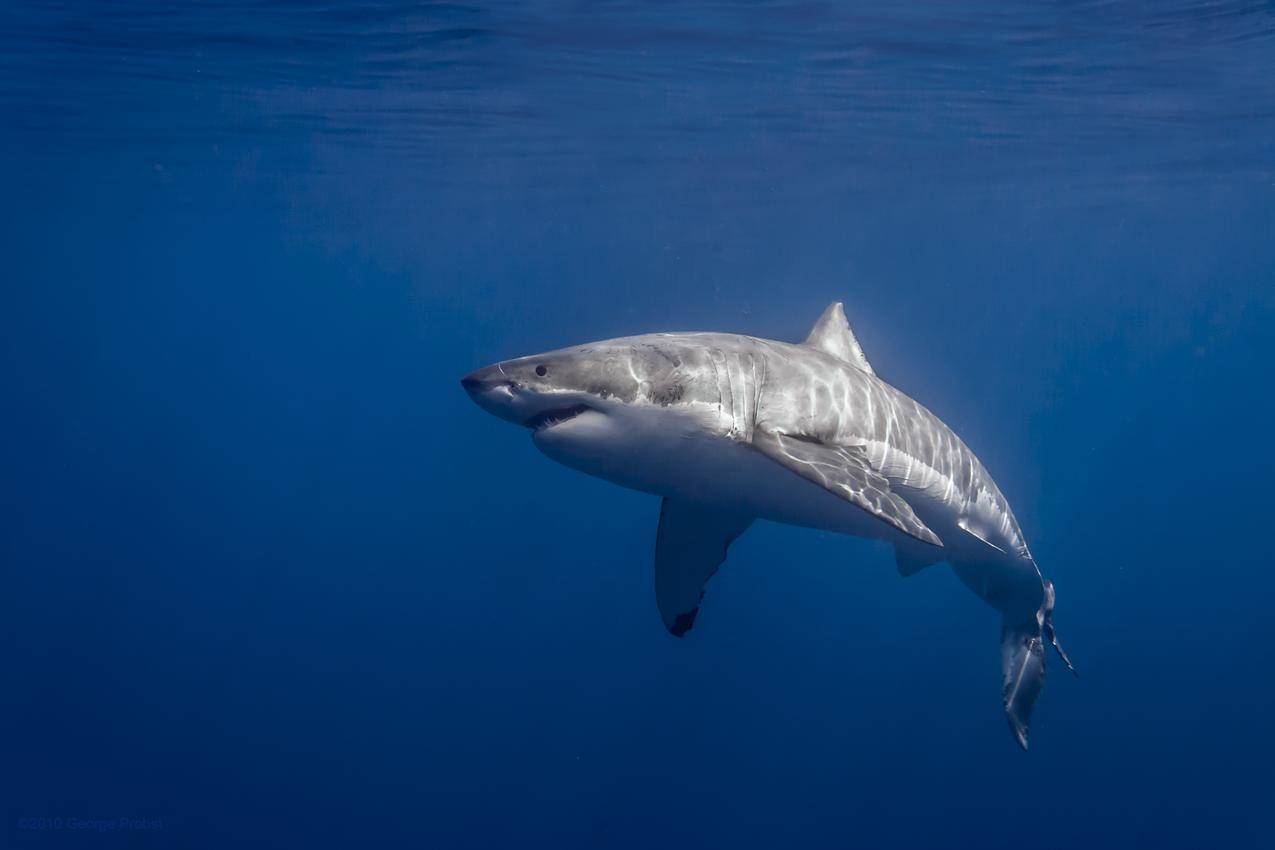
[{"x": 755, "y": 384}]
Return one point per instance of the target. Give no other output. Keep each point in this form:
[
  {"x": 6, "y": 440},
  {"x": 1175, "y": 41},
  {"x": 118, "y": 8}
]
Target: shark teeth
[{"x": 549, "y": 418}]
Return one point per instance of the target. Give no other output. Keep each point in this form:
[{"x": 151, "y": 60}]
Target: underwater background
[{"x": 272, "y": 580}]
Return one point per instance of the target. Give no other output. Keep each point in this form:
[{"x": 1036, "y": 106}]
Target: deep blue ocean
[{"x": 270, "y": 579}]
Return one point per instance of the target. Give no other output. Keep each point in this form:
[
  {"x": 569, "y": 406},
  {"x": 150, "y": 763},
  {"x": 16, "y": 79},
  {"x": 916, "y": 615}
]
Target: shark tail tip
[{"x": 1020, "y": 735}]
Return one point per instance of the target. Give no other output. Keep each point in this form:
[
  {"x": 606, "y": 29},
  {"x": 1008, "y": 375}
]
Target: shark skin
[{"x": 729, "y": 428}]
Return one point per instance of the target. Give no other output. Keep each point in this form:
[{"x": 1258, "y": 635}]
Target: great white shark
[{"x": 730, "y": 428}]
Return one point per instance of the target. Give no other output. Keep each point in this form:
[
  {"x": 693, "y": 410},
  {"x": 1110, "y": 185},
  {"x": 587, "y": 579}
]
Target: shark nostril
[{"x": 471, "y": 384}]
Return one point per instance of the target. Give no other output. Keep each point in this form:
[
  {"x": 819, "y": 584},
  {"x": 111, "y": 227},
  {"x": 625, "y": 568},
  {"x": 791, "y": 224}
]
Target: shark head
[
  {"x": 545, "y": 391},
  {"x": 605, "y": 408}
]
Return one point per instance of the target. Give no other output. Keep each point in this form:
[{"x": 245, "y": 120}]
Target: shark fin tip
[{"x": 683, "y": 622}]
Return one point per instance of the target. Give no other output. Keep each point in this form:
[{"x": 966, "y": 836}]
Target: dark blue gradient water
[{"x": 271, "y": 580}]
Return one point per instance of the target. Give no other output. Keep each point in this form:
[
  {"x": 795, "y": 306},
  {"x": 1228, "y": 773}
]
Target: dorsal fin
[{"x": 832, "y": 335}]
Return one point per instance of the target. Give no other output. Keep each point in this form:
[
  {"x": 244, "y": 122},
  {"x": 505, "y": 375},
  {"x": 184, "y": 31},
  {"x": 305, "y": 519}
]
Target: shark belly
[{"x": 678, "y": 455}]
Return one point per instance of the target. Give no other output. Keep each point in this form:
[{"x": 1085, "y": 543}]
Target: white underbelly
[{"x": 677, "y": 456}]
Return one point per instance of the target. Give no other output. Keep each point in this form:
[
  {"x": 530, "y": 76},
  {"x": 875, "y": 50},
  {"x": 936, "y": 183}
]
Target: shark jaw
[{"x": 555, "y": 416}]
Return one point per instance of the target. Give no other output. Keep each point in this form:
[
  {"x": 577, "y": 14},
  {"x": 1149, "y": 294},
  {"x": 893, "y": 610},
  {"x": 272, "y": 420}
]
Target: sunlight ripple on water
[{"x": 1106, "y": 91}]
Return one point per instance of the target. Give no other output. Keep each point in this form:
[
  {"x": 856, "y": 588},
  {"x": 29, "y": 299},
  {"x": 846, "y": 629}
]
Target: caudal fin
[{"x": 1023, "y": 663}]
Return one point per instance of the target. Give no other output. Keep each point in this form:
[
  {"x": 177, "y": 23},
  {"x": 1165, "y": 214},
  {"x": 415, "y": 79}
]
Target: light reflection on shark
[{"x": 729, "y": 428}]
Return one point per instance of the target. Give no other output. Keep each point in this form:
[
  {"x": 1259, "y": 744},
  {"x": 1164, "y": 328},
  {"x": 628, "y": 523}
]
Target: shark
[{"x": 727, "y": 429}]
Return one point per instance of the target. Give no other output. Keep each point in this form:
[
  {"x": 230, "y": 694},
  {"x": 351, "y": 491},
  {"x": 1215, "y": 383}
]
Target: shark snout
[
  {"x": 481, "y": 380},
  {"x": 489, "y": 383},
  {"x": 472, "y": 383},
  {"x": 493, "y": 391}
]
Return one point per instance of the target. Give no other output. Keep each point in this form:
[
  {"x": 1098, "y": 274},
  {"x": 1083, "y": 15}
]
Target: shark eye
[{"x": 541, "y": 370}]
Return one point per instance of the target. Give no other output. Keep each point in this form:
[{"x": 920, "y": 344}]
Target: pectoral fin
[
  {"x": 689, "y": 547},
  {"x": 845, "y": 472}
]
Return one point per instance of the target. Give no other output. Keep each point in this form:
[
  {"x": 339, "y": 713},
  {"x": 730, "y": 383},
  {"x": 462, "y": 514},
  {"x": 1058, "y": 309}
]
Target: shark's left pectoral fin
[
  {"x": 690, "y": 546},
  {"x": 846, "y": 472}
]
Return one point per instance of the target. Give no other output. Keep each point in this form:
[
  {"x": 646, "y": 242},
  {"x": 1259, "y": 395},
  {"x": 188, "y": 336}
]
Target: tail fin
[{"x": 1023, "y": 662}]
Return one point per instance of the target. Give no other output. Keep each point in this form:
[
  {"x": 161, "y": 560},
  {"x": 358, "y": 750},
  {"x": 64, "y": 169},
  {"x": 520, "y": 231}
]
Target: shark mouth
[{"x": 549, "y": 418}]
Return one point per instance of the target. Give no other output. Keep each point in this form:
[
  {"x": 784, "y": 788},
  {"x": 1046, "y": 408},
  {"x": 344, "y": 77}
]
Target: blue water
[{"x": 271, "y": 580}]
